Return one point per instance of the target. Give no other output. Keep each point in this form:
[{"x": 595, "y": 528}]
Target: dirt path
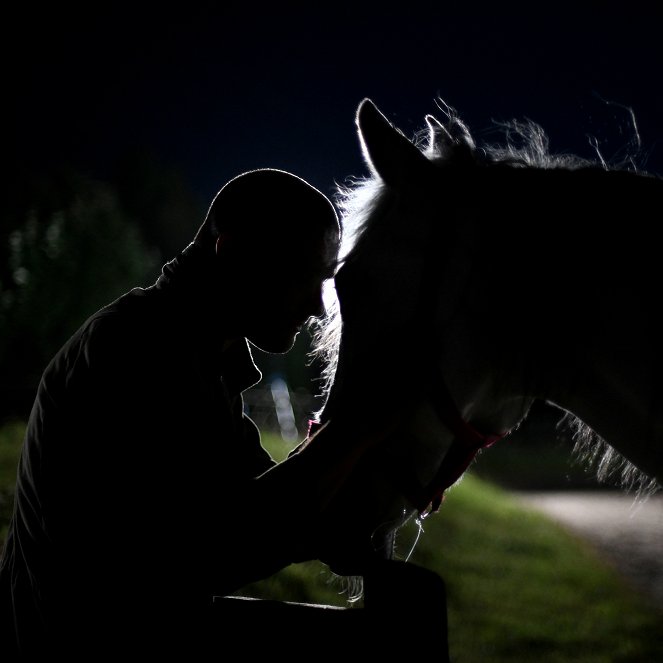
[{"x": 627, "y": 533}]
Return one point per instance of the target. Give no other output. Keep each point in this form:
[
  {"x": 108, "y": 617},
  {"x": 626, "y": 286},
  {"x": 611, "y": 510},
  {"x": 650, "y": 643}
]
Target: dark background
[{"x": 214, "y": 91}]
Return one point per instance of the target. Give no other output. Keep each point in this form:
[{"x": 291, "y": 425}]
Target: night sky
[{"x": 214, "y": 91}]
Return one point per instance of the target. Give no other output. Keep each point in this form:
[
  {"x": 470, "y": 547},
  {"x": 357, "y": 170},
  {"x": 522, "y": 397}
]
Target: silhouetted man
[{"x": 141, "y": 491}]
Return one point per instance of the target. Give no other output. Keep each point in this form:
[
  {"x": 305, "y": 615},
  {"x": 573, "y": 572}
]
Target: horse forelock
[{"x": 356, "y": 201}]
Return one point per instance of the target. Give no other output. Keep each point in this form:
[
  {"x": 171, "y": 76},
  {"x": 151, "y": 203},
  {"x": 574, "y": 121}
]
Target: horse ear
[
  {"x": 437, "y": 133},
  {"x": 388, "y": 153}
]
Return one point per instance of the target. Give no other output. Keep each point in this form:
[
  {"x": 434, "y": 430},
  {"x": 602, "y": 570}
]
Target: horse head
[{"x": 404, "y": 372}]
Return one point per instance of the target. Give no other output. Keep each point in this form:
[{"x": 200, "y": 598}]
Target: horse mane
[{"x": 524, "y": 144}]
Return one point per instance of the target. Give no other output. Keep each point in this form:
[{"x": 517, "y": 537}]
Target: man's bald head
[{"x": 268, "y": 208}]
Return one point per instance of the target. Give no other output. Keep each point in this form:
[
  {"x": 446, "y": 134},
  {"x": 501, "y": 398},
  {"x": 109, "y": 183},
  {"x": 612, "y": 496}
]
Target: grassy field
[{"x": 520, "y": 587}]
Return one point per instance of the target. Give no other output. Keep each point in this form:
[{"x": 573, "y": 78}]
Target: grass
[
  {"x": 520, "y": 588},
  {"x": 11, "y": 436}
]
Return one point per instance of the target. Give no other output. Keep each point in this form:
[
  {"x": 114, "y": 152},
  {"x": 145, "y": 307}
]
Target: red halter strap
[{"x": 467, "y": 442}]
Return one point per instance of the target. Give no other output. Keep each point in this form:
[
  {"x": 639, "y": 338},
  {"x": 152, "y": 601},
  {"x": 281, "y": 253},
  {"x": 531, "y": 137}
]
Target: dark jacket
[{"x": 136, "y": 501}]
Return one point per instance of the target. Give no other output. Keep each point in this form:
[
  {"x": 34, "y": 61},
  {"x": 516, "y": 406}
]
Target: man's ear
[
  {"x": 221, "y": 245},
  {"x": 232, "y": 255}
]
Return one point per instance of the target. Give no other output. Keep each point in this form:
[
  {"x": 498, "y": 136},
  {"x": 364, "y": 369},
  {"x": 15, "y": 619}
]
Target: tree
[{"x": 70, "y": 250}]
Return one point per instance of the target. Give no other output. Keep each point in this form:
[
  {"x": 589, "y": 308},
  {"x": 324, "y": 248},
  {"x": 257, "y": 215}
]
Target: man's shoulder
[
  {"x": 136, "y": 310},
  {"x": 131, "y": 320}
]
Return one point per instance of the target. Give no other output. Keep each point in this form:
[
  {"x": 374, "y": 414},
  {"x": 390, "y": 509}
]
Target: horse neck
[
  {"x": 578, "y": 332},
  {"x": 489, "y": 372},
  {"x": 610, "y": 381}
]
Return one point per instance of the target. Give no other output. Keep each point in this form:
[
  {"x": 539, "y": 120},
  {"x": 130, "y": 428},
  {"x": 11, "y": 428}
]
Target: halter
[{"x": 467, "y": 443}]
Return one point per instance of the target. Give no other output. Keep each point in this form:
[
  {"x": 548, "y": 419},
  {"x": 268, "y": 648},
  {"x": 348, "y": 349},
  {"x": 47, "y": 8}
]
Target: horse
[{"x": 475, "y": 280}]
